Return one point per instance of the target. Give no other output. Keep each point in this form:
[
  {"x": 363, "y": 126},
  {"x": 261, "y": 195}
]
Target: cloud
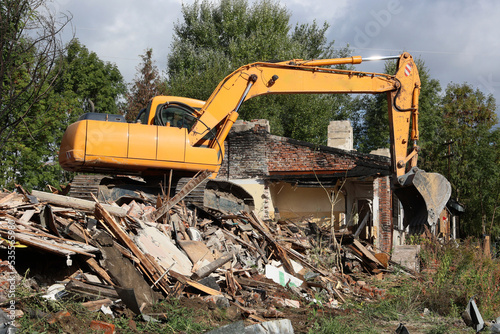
[{"x": 455, "y": 39}]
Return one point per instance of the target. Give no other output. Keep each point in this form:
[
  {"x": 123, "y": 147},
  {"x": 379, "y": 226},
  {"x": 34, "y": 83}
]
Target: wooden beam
[
  {"x": 186, "y": 281},
  {"x": 97, "y": 268},
  {"x": 279, "y": 251},
  {"x": 190, "y": 186},
  {"x": 154, "y": 271},
  {"x": 76, "y": 203}
]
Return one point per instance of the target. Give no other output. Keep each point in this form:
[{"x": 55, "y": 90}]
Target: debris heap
[{"x": 140, "y": 252}]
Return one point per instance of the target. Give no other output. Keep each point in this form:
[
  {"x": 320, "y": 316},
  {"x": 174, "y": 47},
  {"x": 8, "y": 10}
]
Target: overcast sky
[{"x": 455, "y": 38}]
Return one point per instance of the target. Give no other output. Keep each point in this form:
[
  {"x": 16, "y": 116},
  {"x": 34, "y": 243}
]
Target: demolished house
[
  {"x": 128, "y": 256},
  {"x": 298, "y": 181},
  {"x": 295, "y": 180},
  {"x": 116, "y": 259}
]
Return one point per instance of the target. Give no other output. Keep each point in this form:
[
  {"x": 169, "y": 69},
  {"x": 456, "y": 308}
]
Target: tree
[
  {"x": 30, "y": 44},
  {"x": 473, "y": 169},
  {"x": 145, "y": 86},
  {"x": 89, "y": 83},
  {"x": 215, "y": 39},
  {"x": 32, "y": 159}
]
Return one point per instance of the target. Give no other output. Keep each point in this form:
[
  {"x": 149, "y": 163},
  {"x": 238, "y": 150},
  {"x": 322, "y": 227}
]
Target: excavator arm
[
  {"x": 423, "y": 195},
  {"x": 309, "y": 77}
]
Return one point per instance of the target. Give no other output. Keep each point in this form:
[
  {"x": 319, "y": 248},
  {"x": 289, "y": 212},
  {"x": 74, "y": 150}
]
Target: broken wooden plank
[
  {"x": 47, "y": 220},
  {"x": 369, "y": 255},
  {"x": 280, "y": 251},
  {"x": 7, "y": 198},
  {"x": 100, "y": 271},
  {"x": 255, "y": 216},
  {"x": 300, "y": 258},
  {"x": 184, "y": 280},
  {"x": 132, "y": 284},
  {"x": 36, "y": 243},
  {"x": 37, "y": 233},
  {"x": 95, "y": 305},
  {"x": 151, "y": 267},
  {"x": 72, "y": 229},
  {"x": 190, "y": 186},
  {"x": 236, "y": 238},
  {"x": 92, "y": 290},
  {"x": 212, "y": 266},
  {"x": 260, "y": 251},
  {"x": 25, "y": 218},
  {"x": 76, "y": 203},
  {"x": 177, "y": 289},
  {"x": 196, "y": 250},
  {"x": 52, "y": 246}
]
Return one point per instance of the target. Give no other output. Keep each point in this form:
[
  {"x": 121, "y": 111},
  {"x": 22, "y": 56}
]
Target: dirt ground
[{"x": 304, "y": 318}]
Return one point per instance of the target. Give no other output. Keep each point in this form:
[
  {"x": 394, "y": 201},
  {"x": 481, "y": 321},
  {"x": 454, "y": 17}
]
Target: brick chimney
[{"x": 340, "y": 135}]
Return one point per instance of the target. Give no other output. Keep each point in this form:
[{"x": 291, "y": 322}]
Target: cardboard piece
[{"x": 281, "y": 277}]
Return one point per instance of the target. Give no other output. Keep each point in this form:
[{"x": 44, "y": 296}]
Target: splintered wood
[{"x": 182, "y": 250}]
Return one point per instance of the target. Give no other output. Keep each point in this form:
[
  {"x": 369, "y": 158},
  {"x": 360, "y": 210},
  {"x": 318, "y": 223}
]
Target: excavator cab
[{"x": 175, "y": 114}]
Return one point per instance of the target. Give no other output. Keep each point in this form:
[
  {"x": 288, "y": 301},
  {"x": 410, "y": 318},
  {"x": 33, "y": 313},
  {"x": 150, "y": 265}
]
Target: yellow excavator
[{"x": 187, "y": 135}]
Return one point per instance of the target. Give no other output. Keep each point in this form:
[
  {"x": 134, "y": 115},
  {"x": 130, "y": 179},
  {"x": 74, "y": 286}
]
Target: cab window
[{"x": 175, "y": 117}]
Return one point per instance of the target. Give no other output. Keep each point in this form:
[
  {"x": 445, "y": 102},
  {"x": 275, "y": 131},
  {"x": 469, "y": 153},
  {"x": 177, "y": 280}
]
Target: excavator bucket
[{"x": 423, "y": 196}]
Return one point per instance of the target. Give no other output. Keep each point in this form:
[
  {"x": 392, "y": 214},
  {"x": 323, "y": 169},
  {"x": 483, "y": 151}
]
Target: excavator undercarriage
[{"x": 210, "y": 195}]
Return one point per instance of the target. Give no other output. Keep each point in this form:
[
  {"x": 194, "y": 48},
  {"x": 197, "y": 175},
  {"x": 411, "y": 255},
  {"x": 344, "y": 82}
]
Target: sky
[{"x": 455, "y": 38}]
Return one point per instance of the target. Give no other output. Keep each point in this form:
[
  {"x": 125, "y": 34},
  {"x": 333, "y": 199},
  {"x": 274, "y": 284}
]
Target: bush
[{"x": 456, "y": 272}]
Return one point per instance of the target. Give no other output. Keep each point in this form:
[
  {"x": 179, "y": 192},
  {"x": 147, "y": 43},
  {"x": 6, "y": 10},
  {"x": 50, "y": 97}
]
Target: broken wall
[
  {"x": 291, "y": 177},
  {"x": 299, "y": 203}
]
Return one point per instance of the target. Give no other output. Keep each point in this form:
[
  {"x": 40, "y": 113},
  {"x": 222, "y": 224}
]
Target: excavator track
[
  {"x": 218, "y": 195},
  {"x": 210, "y": 195},
  {"x": 84, "y": 185}
]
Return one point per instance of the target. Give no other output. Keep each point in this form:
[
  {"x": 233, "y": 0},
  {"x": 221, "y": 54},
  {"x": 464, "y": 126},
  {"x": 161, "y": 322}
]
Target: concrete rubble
[{"x": 128, "y": 256}]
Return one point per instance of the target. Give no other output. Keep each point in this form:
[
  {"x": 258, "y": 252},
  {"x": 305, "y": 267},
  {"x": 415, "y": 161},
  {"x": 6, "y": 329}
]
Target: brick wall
[
  {"x": 255, "y": 153},
  {"x": 246, "y": 154},
  {"x": 382, "y": 189},
  {"x": 287, "y": 155},
  {"x": 251, "y": 152}
]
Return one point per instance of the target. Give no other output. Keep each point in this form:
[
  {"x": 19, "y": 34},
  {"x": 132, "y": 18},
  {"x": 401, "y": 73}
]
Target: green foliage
[
  {"x": 472, "y": 162},
  {"x": 334, "y": 325},
  {"x": 27, "y": 64},
  {"x": 32, "y": 158},
  {"x": 458, "y": 272},
  {"x": 215, "y": 39},
  {"x": 371, "y": 123},
  {"x": 180, "y": 319},
  {"x": 88, "y": 80}
]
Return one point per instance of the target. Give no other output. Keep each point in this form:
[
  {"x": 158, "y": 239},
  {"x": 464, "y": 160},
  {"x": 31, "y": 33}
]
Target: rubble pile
[{"x": 133, "y": 255}]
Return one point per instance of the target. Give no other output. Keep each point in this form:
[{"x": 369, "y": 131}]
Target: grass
[
  {"x": 452, "y": 274},
  {"x": 178, "y": 319},
  {"x": 462, "y": 271}
]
